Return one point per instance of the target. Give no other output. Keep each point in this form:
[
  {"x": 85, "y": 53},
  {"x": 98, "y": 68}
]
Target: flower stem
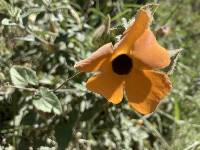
[{"x": 64, "y": 82}]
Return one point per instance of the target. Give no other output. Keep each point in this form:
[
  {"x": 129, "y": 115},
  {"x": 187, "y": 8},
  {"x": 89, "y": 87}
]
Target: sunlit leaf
[
  {"x": 7, "y": 22},
  {"x": 3, "y": 4},
  {"x": 48, "y": 102},
  {"x": 29, "y": 38},
  {"x": 23, "y": 76}
]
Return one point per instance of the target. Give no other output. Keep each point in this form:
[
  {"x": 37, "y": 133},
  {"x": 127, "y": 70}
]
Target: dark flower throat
[{"x": 122, "y": 64}]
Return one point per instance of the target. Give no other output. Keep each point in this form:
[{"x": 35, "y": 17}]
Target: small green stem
[
  {"x": 64, "y": 82},
  {"x": 21, "y": 88}
]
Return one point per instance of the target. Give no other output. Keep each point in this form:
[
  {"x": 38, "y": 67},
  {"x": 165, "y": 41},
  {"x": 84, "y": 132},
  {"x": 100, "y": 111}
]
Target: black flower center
[{"x": 122, "y": 64}]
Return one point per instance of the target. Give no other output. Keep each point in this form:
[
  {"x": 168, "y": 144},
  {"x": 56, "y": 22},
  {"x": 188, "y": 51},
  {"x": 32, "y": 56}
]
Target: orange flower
[{"x": 128, "y": 66}]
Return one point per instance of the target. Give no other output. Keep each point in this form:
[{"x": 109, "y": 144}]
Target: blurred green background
[{"x": 40, "y": 41}]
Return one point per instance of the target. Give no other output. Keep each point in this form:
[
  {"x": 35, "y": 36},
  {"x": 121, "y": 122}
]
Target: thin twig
[
  {"x": 64, "y": 82},
  {"x": 36, "y": 36},
  {"x": 67, "y": 90},
  {"x": 21, "y": 88}
]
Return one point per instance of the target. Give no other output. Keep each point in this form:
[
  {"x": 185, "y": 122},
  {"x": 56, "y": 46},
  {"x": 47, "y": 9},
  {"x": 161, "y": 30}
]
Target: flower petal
[
  {"x": 145, "y": 89},
  {"x": 148, "y": 51},
  {"x": 95, "y": 61},
  {"x": 142, "y": 21},
  {"x": 108, "y": 85}
]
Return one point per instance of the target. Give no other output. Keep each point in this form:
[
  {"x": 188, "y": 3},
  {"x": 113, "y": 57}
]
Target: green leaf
[
  {"x": 23, "y": 76},
  {"x": 7, "y": 22},
  {"x": 3, "y": 5},
  {"x": 74, "y": 14},
  {"x": 47, "y": 2},
  {"x": 97, "y": 12},
  {"x": 119, "y": 15},
  {"x": 29, "y": 38},
  {"x": 64, "y": 130},
  {"x": 14, "y": 12},
  {"x": 48, "y": 102}
]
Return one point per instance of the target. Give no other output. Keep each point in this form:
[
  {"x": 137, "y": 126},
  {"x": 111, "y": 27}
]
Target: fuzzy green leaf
[
  {"x": 7, "y": 22},
  {"x": 47, "y": 102},
  {"x": 23, "y": 76}
]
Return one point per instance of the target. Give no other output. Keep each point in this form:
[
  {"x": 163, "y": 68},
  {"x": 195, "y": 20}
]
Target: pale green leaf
[
  {"x": 7, "y": 22},
  {"x": 48, "y": 102},
  {"x": 23, "y": 76},
  {"x": 29, "y": 38}
]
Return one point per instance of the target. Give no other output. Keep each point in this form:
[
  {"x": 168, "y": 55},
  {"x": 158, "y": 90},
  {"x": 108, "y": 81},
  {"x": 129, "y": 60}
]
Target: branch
[
  {"x": 64, "y": 82},
  {"x": 21, "y": 88}
]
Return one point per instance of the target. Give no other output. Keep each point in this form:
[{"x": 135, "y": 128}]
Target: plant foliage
[{"x": 40, "y": 41}]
